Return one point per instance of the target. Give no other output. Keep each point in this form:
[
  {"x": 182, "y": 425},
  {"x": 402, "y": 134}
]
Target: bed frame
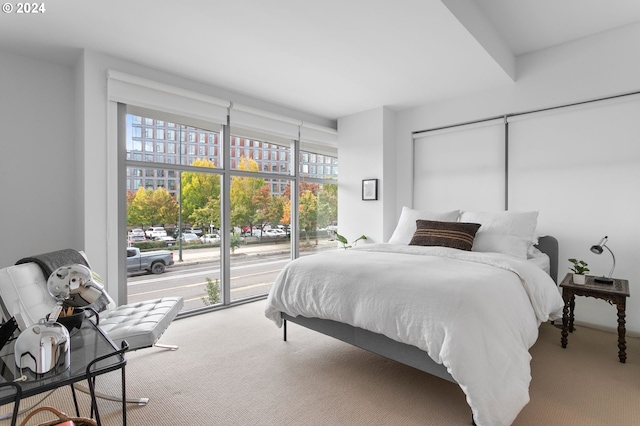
[{"x": 401, "y": 352}]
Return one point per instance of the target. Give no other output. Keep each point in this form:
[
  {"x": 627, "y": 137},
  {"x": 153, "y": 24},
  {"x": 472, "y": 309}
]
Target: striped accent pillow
[{"x": 457, "y": 235}]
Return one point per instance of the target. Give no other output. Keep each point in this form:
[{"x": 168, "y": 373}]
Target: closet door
[
  {"x": 579, "y": 166},
  {"x": 462, "y": 167}
]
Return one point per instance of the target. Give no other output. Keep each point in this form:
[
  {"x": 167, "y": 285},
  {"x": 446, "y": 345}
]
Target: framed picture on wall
[{"x": 370, "y": 189}]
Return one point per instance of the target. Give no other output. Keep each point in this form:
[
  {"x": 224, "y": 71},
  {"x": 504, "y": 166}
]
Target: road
[{"x": 253, "y": 271}]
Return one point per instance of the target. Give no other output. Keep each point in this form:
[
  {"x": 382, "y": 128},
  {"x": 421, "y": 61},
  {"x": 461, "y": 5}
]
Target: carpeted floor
[{"x": 233, "y": 368}]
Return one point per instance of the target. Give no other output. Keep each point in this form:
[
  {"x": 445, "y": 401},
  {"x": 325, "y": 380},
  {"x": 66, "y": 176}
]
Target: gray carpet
[{"x": 233, "y": 368}]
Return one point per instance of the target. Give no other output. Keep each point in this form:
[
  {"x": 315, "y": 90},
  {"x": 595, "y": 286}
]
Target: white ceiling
[{"x": 330, "y": 58}]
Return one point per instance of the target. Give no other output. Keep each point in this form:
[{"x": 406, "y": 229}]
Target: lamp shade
[{"x": 598, "y": 249}]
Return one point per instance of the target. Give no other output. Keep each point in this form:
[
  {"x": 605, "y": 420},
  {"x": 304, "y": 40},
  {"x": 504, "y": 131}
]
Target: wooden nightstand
[{"x": 615, "y": 294}]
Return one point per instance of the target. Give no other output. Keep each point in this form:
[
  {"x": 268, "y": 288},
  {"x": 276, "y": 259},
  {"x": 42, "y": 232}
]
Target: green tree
[
  {"x": 244, "y": 193},
  {"x": 165, "y": 205},
  {"x": 308, "y": 212},
  {"x": 139, "y": 211},
  {"x": 149, "y": 207},
  {"x": 201, "y": 191},
  {"x": 207, "y": 215},
  {"x": 327, "y": 205}
]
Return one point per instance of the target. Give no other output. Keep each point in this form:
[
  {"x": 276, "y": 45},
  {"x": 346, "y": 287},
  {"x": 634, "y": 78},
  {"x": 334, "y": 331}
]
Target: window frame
[{"x": 227, "y": 172}]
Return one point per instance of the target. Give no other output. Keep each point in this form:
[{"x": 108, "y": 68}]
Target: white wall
[
  {"x": 389, "y": 209},
  {"x": 599, "y": 66},
  {"x": 40, "y": 179},
  {"x": 366, "y": 151}
]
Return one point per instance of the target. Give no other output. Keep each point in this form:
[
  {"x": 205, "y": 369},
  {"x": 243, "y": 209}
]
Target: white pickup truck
[{"x": 151, "y": 261}]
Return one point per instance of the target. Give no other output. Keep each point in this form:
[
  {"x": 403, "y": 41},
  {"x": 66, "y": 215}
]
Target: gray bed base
[{"x": 401, "y": 352}]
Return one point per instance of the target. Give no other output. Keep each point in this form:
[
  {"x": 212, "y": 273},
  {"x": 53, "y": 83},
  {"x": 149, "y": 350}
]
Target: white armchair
[{"x": 24, "y": 295}]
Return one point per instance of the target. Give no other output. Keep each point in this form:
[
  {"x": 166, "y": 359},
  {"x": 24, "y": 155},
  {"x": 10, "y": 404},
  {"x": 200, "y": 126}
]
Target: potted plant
[
  {"x": 345, "y": 243},
  {"x": 579, "y": 270}
]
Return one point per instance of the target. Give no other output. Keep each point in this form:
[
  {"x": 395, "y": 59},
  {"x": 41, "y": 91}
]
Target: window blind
[
  {"x": 137, "y": 91},
  {"x": 461, "y": 167}
]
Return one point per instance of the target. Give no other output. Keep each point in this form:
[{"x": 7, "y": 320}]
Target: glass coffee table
[{"x": 92, "y": 353}]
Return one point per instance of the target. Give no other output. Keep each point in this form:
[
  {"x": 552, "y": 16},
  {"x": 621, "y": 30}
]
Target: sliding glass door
[{"x": 176, "y": 209}]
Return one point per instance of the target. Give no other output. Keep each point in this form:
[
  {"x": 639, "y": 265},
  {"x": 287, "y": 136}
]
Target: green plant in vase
[{"x": 579, "y": 269}]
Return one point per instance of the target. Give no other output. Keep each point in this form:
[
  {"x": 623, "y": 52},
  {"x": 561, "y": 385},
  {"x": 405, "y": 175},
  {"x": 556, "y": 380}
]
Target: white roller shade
[
  {"x": 462, "y": 167},
  {"x": 319, "y": 139},
  {"x": 257, "y": 122},
  {"x": 137, "y": 91}
]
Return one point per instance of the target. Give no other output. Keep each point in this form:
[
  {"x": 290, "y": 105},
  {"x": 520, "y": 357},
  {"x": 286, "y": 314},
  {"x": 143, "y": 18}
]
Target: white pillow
[
  {"x": 503, "y": 232},
  {"x": 407, "y": 223}
]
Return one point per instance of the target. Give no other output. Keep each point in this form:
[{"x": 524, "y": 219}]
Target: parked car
[
  {"x": 136, "y": 238},
  {"x": 169, "y": 241},
  {"x": 156, "y": 231},
  {"x": 190, "y": 238},
  {"x": 274, "y": 233},
  {"x": 151, "y": 261},
  {"x": 136, "y": 233},
  {"x": 196, "y": 231},
  {"x": 210, "y": 238}
]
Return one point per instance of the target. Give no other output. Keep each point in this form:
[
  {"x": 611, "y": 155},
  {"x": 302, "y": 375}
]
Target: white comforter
[{"x": 476, "y": 313}]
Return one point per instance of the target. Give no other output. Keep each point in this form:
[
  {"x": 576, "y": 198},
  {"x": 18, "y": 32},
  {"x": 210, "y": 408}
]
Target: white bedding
[{"x": 476, "y": 313}]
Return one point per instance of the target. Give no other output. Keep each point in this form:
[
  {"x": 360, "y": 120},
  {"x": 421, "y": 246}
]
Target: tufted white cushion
[
  {"x": 23, "y": 293},
  {"x": 140, "y": 324}
]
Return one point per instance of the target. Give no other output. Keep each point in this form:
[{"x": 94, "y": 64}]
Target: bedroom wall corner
[
  {"x": 390, "y": 218},
  {"x": 362, "y": 149}
]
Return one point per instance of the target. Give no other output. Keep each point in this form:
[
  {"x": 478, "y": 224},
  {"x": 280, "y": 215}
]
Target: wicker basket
[{"x": 62, "y": 417}]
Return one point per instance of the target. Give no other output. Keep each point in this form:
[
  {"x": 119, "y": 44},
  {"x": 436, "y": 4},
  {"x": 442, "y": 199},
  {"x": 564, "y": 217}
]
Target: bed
[{"x": 437, "y": 307}]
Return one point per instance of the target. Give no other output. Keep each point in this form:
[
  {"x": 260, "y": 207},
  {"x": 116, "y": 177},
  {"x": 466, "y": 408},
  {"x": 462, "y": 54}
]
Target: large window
[{"x": 175, "y": 175}]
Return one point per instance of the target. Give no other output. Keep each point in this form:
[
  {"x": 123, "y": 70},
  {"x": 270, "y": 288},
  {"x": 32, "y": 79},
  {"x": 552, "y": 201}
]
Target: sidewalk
[{"x": 192, "y": 256}]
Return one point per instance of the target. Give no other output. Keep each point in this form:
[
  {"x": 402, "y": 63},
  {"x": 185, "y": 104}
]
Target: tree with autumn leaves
[
  {"x": 148, "y": 207},
  {"x": 201, "y": 196},
  {"x": 252, "y": 203},
  {"x": 317, "y": 207}
]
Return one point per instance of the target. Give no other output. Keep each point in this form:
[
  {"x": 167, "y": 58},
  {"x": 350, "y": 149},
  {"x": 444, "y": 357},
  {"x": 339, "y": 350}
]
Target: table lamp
[{"x": 598, "y": 249}]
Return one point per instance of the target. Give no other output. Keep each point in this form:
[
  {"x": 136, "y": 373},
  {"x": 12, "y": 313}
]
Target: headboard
[{"x": 549, "y": 245}]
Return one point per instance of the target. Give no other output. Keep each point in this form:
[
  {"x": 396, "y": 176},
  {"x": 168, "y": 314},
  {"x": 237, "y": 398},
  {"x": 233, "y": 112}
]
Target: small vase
[{"x": 579, "y": 278}]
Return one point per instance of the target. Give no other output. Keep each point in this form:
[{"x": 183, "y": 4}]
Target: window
[
  {"x": 180, "y": 190},
  {"x": 315, "y": 166},
  {"x": 243, "y": 147}
]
